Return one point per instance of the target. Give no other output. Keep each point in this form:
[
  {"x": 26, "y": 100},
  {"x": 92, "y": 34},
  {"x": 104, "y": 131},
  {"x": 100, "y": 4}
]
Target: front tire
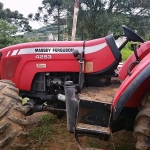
[
  {"x": 13, "y": 135},
  {"x": 142, "y": 125}
]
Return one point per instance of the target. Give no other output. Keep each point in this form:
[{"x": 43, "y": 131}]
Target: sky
[{"x": 24, "y": 7}]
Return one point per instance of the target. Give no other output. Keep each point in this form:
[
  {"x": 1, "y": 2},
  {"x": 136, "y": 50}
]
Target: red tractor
[{"x": 75, "y": 77}]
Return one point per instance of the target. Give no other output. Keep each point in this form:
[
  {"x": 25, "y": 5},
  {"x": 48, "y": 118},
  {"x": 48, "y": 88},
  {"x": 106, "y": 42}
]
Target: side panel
[
  {"x": 97, "y": 61},
  {"x": 27, "y": 69},
  {"x": 142, "y": 52},
  {"x": 133, "y": 87}
]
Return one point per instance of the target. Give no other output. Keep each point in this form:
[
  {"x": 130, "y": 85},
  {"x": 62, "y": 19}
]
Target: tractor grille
[
  {"x": 9, "y": 66},
  {"x": 39, "y": 82}
]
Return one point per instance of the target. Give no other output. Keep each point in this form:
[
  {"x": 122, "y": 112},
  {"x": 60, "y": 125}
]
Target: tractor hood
[{"x": 22, "y": 61}]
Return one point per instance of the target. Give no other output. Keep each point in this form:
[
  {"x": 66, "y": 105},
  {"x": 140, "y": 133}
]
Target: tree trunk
[
  {"x": 58, "y": 23},
  {"x": 76, "y": 9}
]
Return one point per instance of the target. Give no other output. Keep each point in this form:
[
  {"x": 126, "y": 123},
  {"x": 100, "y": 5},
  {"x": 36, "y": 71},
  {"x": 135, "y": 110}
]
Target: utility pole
[{"x": 76, "y": 9}]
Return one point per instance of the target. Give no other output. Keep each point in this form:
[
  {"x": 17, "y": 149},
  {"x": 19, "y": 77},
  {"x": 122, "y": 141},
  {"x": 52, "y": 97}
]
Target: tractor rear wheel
[
  {"x": 142, "y": 124},
  {"x": 13, "y": 135}
]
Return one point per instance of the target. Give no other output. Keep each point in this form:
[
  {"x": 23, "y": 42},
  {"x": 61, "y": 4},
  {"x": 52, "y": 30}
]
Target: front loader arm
[{"x": 133, "y": 88}]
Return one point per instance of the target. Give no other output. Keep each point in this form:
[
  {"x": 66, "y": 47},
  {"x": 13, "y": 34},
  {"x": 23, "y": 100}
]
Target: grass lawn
[{"x": 125, "y": 54}]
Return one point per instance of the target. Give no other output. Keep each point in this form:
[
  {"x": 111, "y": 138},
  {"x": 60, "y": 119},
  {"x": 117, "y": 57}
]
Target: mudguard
[
  {"x": 142, "y": 51},
  {"x": 133, "y": 88}
]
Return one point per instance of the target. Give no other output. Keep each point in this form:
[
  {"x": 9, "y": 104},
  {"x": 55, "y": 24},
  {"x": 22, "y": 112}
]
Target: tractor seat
[{"x": 106, "y": 65}]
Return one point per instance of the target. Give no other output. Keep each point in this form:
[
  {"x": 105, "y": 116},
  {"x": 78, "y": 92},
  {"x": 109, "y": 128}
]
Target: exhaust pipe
[{"x": 71, "y": 105}]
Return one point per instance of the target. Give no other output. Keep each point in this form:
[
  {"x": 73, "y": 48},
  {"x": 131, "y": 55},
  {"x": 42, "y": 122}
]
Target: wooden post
[{"x": 76, "y": 9}]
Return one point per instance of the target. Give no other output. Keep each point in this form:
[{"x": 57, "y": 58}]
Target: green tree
[
  {"x": 98, "y": 18},
  {"x": 52, "y": 12},
  {"x": 15, "y": 18},
  {"x": 8, "y": 34}
]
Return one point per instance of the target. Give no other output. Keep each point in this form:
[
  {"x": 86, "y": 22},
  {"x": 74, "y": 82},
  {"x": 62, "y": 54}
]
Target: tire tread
[
  {"x": 13, "y": 133},
  {"x": 142, "y": 125}
]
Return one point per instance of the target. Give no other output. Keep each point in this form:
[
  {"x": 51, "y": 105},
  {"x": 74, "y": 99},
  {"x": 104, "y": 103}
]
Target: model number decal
[{"x": 43, "y": 56}]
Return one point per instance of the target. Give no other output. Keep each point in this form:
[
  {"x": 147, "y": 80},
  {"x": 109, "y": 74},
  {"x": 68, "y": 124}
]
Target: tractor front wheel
[
  {"x": 142, "y": 124},
  {"x": 13, "y": 135}
]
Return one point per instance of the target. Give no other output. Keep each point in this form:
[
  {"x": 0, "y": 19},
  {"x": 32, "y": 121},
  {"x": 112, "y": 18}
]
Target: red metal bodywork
[
  {"x": 21, "y": 62},
  {"x": 136, "y": 91},
  {"x": 142, "y": 51},
  {"x": 135, "y": 86},
  {"x": 136, "y": 97}
]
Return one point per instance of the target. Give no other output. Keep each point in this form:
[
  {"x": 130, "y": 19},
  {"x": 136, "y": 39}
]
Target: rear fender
[
  {"x": 142, "y": 51},
  {"x": 133, "y": 88}
]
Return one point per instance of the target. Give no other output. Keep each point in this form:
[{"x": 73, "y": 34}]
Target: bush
[{"x": 126, "y": 52}]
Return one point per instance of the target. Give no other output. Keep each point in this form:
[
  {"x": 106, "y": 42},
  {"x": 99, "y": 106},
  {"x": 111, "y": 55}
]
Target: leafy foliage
[
  {"x": 51, "y": 11},
  {"x": 42, "y": 33},
  {"x": 126, "y": 53},
  {"x": 15, "y": 18},
  {"x": 98, "y": 18},
  {"x": 8, "y": 34}
]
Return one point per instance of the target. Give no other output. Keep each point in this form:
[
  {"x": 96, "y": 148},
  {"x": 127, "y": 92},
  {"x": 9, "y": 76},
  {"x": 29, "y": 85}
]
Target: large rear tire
[
  {"x": 13, "y": 135},
  {"x": 142, "y": 124}
]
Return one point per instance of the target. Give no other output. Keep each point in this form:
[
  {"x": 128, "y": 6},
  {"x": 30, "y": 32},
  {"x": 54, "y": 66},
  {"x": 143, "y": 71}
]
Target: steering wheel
[{"x": 131, "y": 35}]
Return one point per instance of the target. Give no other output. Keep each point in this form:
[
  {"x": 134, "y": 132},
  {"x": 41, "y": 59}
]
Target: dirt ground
[
  {"x": 46, "y": 132},
  {"x": 60, "y": 139}
]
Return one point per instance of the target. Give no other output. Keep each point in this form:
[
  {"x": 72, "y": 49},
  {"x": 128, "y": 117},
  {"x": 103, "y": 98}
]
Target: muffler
[{"x": 71, "y": 105}]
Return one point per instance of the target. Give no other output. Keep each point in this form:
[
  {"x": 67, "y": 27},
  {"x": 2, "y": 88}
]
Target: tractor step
[{"x": 92, "y": 129}]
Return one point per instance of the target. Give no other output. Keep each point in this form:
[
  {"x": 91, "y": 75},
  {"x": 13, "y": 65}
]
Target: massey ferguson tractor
[{"x": 81, "y": 79}]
